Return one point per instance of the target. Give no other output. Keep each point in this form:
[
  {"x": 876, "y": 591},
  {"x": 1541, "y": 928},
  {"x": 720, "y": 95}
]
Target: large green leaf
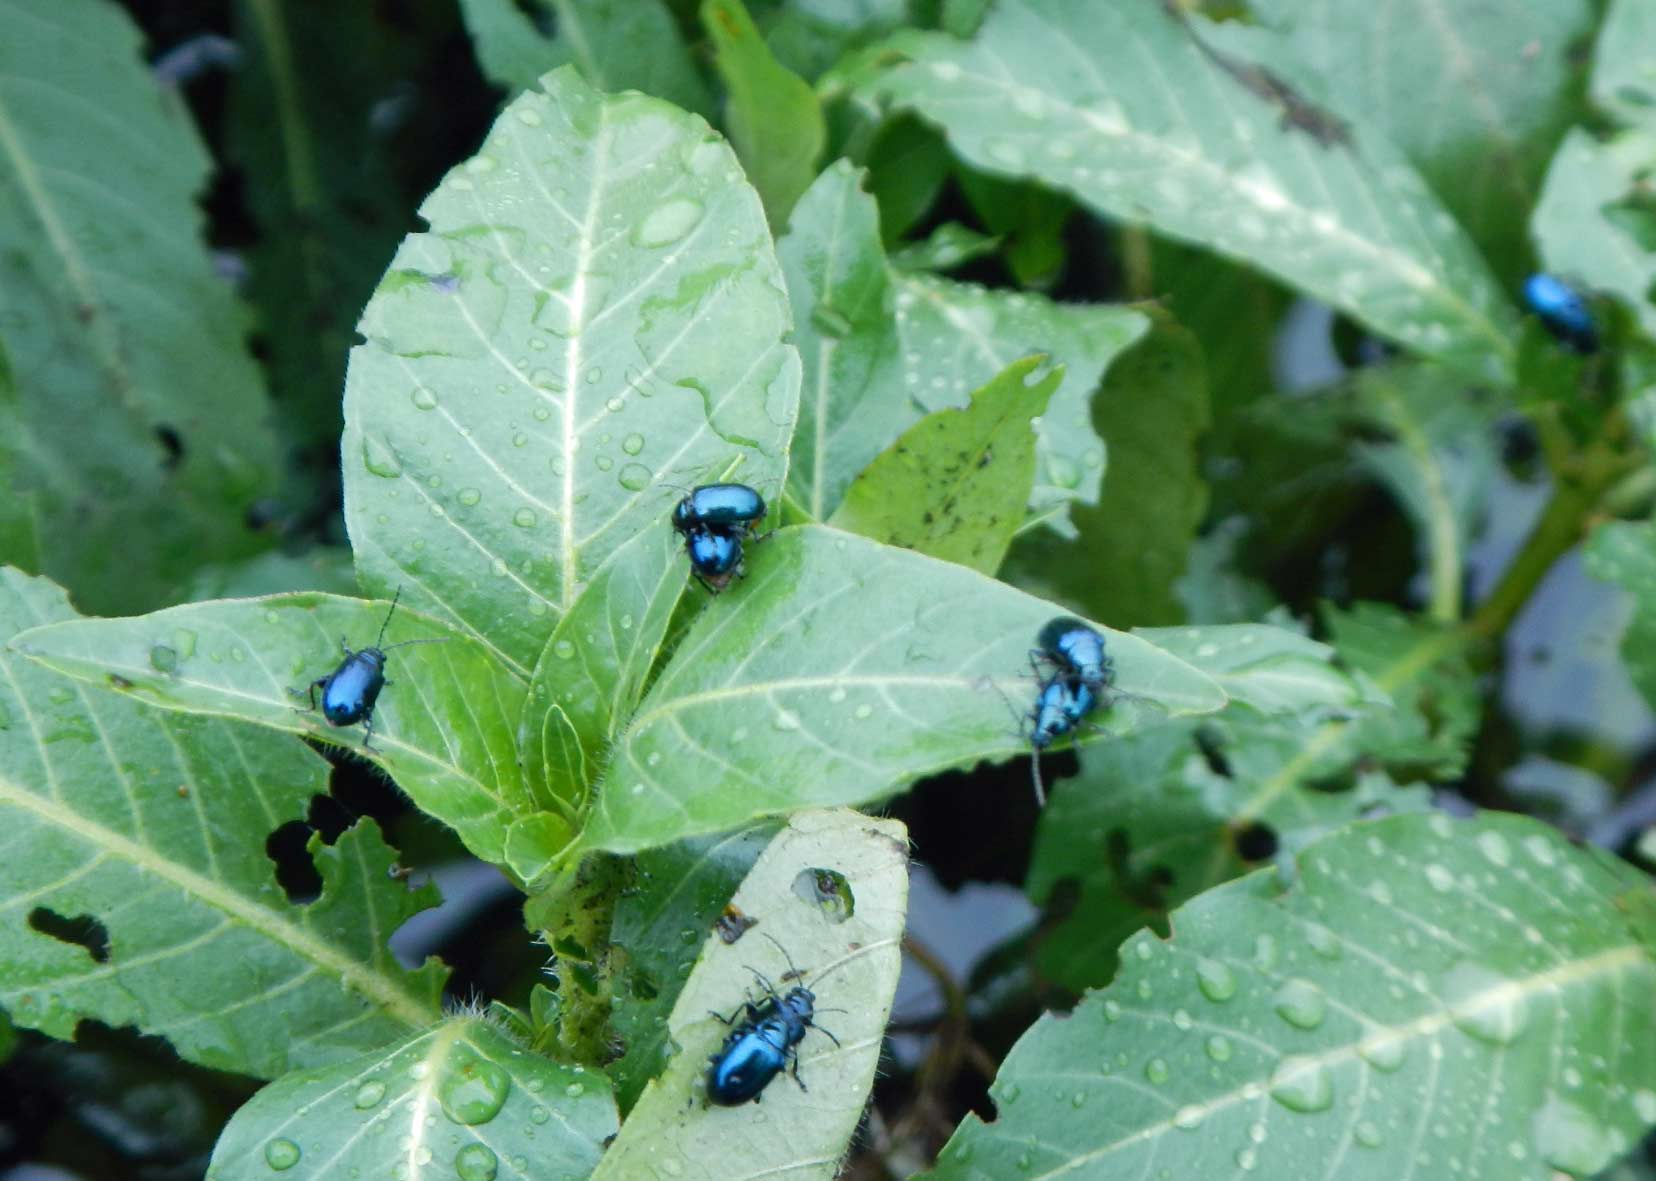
[
  {"x": 1132, "y": 545},
  {"x": 460, "y": 1101},
  {"x": 1624, "y": 63},
  {"x": 837, "y": 672},
  {"x": 1625, "y": 554},
  {"x": 111, "y": 319},
  {"x": 1423, "y": 998},
  {"x": 1476, "y": 95},
  {"x": 678, "y": 894},
  {"x": 1120, "y": 105},
  {"x": 444, "y": 727},
  {"x": 617, "y": 44},
  {"x": 1574, "y": 229},
  {"x": 773, "y": 115},
  {"x": 954, "y": 485},
  {"x": 881, "y": 347},
  {"x": 595, "y": 312},
  {"x": 845, "y": 941},
  {"x": 135, "y": 861}
]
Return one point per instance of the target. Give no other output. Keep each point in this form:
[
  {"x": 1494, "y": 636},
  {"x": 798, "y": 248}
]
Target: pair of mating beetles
[{"x": 714, "y": 520}]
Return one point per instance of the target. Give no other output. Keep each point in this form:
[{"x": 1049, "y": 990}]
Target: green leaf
[
  {"x": 141, "y": 833},
  {"x": 908, "y": 165},
  {"x": 869, "y": 374},
  {"x": 443, "y": 728},
  {"x": 326, "y": 183},
  {"x": 1475, "y": 990},
  {"x": 617, "y": 45},
  {"x": 1271, "y": 669},
  {"x": 679, "y": 893},
  {"x": 1213, "y": 589},
  {"x": 948, "y": 246},
  {"x": 1625, "y": 554},
  {"x": 1030, "y": 219},
  {"x": 592, "y": 672},
  {"x": 462, "y": 1100},
  {"x": 808, "y": 36},
  {"x": 954, "y": 485},
  {"x": 1077, "y": 98},
  {"x": 1476, "y": 104},
  {"x": 837, "y": 672},
  {"x": 1574, "y": 229},
  {"x": 1623, "y": 80},
  {"x": 773, "y": 115},
  {"x": 577, "y": 330},
  {"x": 1132, "y": 545},
  {"x": 849, "y": 954},
  {"x": 107, "y": 288}
]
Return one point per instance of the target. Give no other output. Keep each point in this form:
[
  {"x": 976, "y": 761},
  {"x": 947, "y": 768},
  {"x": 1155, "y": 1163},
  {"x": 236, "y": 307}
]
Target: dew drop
[
  {"x": 634, "y": 477},
  {"x": 1366, "y": 1134},
  {"x": 633, "y": 444},
  {"x": 1219, "y": 1048},
  {"x": 575, "y": 1090},
  {"x": 1156, "y": 1071},
  {"x": 595, "y": 375},
  {"x": 603, "y": 462},
  {"x": 1484, "y": 1004},
  {"x": 370, "y": 1093},
  {"x": 379, "y": 459},
  {"x": 785, "y": 719},
  {"x": 1568, "y": 1138},
  {"x": 1216, "y": 980},
  {"x": 1440, "y": 878},
  {"x": 472, "y": 1090},
  {"x": 531, "y": 118},
  {"x": 1265, "y": 951},
  {"x": 1302, "y": 1084},
  {"x": 667, "y": 223},
  {"x": 1188, "y": 1118},
  {"x": 423, "y": 398},
  {"x": 563, "y": 649},
  {"x": 539, "y": 1115},
  {"x": 163, "y": 659},
  {"x": 1246, "y": 1159},
  {"x": 863, "y": 712},
  {"x": 1112, "y": 1011},
  {"x": 476, "y": 1162},
  {"x": 468, "y": 496},
  {"x": 281, "y": 1153},
  {"x": 524, "y": 518},
  {"x": 1494, "y": 846},
  {"x": 1323, "y": 941},
  {"x": 1383, "y": 1050},
  {"x": 1300, "y": 1004},
  {"x": 1009, "y": 1093},
  {"x": 1078, "y": 1100},
  {"x": 1181, "y": 1020}
]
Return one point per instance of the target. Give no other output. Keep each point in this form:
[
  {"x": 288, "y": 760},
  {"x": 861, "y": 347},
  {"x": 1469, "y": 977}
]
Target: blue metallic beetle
[
  {"x": 714, "y": 520},
  {"x": 1563, "y": 311},
  {"x": 350, "y": 691},
  {"x": 764, "y": 1043},
  {"x": 1059, "y": 709},
  {"x": 1075, "y": 651}
]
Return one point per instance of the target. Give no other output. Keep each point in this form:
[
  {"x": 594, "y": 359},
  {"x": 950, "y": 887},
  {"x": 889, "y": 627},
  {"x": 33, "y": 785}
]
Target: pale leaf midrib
[{"x": 394, "y": 999}]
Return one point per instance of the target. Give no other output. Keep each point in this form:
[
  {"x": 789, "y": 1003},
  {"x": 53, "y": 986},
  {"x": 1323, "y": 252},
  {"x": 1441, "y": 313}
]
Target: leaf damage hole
[
  {"x": 172, "y": 443},
  {"x": 82, "y": 930},
  {"x": 828, "y": 890},
  {"x": 296, "y": 872},
  {"x": 1255, "y": 841}
]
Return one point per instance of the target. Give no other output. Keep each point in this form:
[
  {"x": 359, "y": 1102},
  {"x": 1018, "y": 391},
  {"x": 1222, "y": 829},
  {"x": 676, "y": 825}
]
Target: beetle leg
[
  {"x": 368, "y": 733},
  {"x": 310, "y": 692},
  {"x": 795, "y": 1072}
]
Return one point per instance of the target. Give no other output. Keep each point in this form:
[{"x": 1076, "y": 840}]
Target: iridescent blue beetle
[
  {"x": 764, "y": 1042},
  {"x": 1075, "y": 651},
  {"x": 1563, "y": 311},
  {"x": 1059, "y": 708},
  {"x": 714, "y": 520},
  {"x": 350, "y": 691}
]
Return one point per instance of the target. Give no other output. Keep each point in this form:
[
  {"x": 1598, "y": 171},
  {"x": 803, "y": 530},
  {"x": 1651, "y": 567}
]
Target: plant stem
[
  {"x": 1577, "y": 495},
  {"x": 581, "y": 943}
]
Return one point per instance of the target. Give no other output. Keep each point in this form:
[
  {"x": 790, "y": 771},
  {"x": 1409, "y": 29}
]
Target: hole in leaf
[
  {"x": 1210, "y": 741},
  {"x": 82, "y": 930},
  {"x": 1256, "y": 842},
  {"x": 173, "y": 444},
  {"x": 733, "y": 923},
  {"x": 829, "y": 890},
  {"x": 296, "y": 873}
]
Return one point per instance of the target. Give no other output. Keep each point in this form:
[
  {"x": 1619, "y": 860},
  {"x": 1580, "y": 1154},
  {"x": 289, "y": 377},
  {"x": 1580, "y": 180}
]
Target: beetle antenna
[
  {"x": 388, "y": 614},
  {"x": 793, "y": 972},
  {"x": 406, "y": 643},
  {"x": 1035, "y": 777}
]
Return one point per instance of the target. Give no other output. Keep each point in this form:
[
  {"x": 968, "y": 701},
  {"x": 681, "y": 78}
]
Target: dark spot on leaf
[
  {"x": 172, "y": 444},
  {"x": 296, "y": 873},
  {"x": 1210, "y": 741},
  {"x": 1255, "y": 842},
  {"x": 82, "y": 930},
  {"x": 733, "y": 923},
  {"x": 117, "y": 681}
]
